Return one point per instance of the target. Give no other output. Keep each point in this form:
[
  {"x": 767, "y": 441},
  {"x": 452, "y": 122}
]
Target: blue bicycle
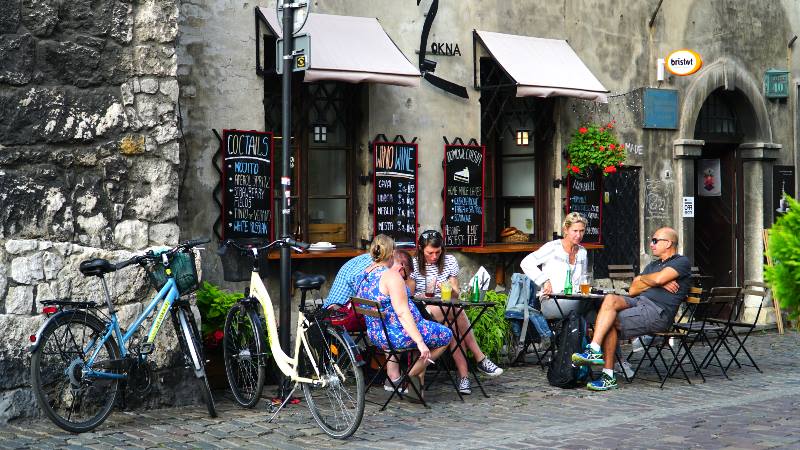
[{"x": 80, "y": 355}]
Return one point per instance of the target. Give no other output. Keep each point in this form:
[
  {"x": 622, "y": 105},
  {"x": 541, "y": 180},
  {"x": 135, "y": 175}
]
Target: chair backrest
[
  {"x": 621, "y": 275},
  {"x": 751, "y": 288},
  {"x": 695, "y": 296},
  {"x": 366, "y": 307},
  {"x": 720, "y": 303},
  {"x": 621, "y": 271}
]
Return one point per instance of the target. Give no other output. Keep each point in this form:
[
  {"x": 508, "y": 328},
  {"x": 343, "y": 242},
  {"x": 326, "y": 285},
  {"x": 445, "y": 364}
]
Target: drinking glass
[
  {"x": 446, "y": 290},
  {"x": 586, "y": 284},
  {"x": 430, "y": 286}
]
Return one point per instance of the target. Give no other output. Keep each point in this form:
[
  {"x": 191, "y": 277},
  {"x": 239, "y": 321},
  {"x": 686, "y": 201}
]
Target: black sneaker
[
  {"x": 489, "y": 368},
  {"x": 464, "y": 386}
]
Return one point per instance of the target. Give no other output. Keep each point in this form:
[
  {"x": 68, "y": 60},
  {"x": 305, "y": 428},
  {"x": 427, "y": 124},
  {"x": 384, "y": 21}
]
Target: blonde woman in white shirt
[{"x": 556, "y": 259}]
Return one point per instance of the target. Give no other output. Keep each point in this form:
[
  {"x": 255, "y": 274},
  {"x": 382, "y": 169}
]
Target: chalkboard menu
[
  {"x": 584, "y": 196},
  {"x": 247, "y": 184},
  {"x": 395, "y": 182},
  {"x": 463, "y": 195}
]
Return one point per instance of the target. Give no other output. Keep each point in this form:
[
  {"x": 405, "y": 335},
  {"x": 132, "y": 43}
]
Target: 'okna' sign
[{"x": 683, "y": 62}]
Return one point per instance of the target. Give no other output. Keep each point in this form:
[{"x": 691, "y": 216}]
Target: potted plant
[
  {"x": 595, "y": 147},
  {"x": 214, "y": 303}
]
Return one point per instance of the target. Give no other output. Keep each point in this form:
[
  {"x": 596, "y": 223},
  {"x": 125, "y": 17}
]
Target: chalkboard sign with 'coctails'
[
  {"x": 395, "y": 194},
  {"x": 584, "y": 196},
  {"x": 247, "y": 184},
  {"x": 463, "y": 195}
]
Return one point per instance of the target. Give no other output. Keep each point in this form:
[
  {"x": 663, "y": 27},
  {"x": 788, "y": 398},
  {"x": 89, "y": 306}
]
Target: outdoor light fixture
[
  {"x": 522, "y": 137},
  {"x": 320, "y": 133}
]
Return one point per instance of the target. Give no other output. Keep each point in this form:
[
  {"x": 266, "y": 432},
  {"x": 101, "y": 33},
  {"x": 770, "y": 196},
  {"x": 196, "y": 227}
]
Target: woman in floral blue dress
[{"x": 405, "y": 326}]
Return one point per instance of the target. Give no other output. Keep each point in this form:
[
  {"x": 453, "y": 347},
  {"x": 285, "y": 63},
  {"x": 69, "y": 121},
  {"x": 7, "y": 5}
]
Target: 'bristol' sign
[{"x": 683, "y": 62}]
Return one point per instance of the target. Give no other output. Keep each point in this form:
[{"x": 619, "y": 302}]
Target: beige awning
[
  {"x": 543, "y": 67},
  {"x": 351, "y": 49}
]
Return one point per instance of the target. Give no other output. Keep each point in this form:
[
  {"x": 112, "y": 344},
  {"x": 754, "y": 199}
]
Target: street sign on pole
[
  {"x": 301, "y": 53},
  {"x": 301, "y": 10}
]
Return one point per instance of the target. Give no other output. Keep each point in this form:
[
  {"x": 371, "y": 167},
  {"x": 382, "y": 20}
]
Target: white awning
[
  {"x": 351, "y": 49},
  {"x": 543, "y": 67}
]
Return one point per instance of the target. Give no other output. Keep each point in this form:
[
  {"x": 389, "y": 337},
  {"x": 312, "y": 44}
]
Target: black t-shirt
[{"x": 662, "y": 297}]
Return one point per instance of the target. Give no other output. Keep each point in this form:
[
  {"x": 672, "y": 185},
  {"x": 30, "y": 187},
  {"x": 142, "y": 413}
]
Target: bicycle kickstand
[{"x": 285, "y": 401}]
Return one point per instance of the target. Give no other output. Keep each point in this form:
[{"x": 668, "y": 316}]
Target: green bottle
[
  {"x": 476, "y": 292},
  {"x": 568, "y": 283}
]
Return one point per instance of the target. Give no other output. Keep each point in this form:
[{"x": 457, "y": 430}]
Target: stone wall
[{"x": 89, "y": 163}]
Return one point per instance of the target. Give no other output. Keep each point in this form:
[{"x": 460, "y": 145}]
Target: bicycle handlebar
[
  {"x": 152, "y": 256},
  {"x": 282, "y": 242}
]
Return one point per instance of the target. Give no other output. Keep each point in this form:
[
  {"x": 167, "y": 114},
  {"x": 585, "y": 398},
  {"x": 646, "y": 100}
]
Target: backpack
[{"x": 570, "y": 338}]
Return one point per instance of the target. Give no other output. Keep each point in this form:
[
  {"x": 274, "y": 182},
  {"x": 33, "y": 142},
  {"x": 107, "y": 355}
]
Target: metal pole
[{"x": 286, "y": 257}]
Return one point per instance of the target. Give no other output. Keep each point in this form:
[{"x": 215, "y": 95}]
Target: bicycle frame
[
  {"x": 168, "y": 293},
  {"x": 287, "y": 365}
]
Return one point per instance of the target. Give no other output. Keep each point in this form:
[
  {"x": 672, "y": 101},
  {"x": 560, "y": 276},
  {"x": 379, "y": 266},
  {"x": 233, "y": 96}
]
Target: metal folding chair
[
  {"x": 371, "y": 308},
  {"x": 751, "y": 289}
]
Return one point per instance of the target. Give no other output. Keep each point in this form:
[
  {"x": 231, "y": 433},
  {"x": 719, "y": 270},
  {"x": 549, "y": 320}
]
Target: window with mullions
[
  {"x": 322, "y": 162},
  {"x": 517, "y": 133}
]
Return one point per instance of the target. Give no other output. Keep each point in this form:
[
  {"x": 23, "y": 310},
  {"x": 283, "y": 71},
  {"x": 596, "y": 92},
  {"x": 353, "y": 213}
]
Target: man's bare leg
[{"x": 607, "y": 317}]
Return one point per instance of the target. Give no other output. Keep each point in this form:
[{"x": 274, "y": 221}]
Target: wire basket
[
  {"x": 183, "y": 269},
  {"x": 238, "y": 265}
]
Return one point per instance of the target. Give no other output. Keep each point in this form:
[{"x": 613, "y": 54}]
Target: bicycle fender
[
  {"x": 359, "y": 358},
  {"x": 35, "y": 338}
]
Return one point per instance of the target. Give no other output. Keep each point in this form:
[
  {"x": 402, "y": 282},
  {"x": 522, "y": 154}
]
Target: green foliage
[
  {"x": 214, "y": 304},
  {"x": 784, "y": 249},
  {"x": 490, "y": 331},
  {"x": 593, "y": 146}
]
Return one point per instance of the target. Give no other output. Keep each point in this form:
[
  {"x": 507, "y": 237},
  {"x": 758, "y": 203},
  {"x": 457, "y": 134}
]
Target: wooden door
[{"x": 716, "y": 229}]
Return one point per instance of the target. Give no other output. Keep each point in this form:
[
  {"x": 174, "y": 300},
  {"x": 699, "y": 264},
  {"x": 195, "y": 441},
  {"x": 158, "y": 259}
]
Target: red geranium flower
[
  {"x": 609, "y": 125},
  {"x": 611, "y": 146},
  {"x": 583, "y": 130},
  {"x": 576, "y": 169},
  {"x": 602, "y": 148},
  {"x": 610, "y": 169}
]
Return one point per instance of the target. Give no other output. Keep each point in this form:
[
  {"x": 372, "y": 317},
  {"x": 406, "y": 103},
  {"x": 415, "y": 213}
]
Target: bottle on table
[{"x": 568, "y": 283}]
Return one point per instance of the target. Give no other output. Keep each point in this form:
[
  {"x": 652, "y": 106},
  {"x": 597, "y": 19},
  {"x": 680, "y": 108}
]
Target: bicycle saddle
[
  {"x": 96, "y": 267},
  {"x": 307, "y": 281}
]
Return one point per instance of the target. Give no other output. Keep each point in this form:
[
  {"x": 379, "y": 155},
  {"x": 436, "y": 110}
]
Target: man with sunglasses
[{"x": 654, "y": 299}]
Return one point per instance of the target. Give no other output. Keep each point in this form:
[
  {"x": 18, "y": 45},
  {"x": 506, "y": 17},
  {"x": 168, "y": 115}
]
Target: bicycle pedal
[{"x": 146, "y": 348}]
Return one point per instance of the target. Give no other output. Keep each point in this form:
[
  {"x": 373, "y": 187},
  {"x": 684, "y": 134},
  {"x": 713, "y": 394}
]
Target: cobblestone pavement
[{"x": 751, "y": 410}]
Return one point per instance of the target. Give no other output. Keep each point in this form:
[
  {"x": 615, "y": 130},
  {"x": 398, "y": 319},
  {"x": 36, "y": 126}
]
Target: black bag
[{"x": 571, "y": 338}]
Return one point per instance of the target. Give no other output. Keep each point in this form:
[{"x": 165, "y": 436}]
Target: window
[
  {"x": 517, "y": 133},
  {"x": 323, "y": 161}
]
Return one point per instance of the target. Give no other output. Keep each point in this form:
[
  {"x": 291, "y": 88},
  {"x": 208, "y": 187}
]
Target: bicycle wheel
[
  {"x": 189, "y": 336},
  {"x": 245, "y": 356},
  {"x": 72, "y": 400},
  {"x": 337, "y": 403},
  {"x": 511, "y": 347}
]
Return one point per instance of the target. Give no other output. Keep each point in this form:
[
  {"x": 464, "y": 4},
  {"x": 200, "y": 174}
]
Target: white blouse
[{"x": 555, "y": 261}]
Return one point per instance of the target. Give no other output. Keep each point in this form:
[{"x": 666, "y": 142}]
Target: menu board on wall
[
  {"x": 247, "y": 184},
  {"x": 395, "y": 191},
  {"x": 463, "y": 195},
  {"x": 584, "y": 196}
]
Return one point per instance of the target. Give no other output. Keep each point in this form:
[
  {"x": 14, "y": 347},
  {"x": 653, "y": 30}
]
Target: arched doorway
[{"x": 722, "y": 124}]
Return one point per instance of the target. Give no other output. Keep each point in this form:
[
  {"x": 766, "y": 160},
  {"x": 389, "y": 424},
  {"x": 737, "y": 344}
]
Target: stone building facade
[
  {"x": 90, "y": 165},
  {"x": 95, "y": 95}
]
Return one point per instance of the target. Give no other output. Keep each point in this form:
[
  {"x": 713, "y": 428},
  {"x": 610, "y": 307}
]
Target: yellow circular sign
[{"x": 683, "y": 62}]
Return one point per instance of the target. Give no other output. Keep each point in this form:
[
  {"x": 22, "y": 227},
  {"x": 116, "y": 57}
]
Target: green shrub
[
  {"x": 214, "y": 304},
  {"x": 490, "y": 331},
  {"x": 784, "y": 249}
]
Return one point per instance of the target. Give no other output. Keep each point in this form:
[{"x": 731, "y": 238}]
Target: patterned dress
[{"x": 433, "y": 334}]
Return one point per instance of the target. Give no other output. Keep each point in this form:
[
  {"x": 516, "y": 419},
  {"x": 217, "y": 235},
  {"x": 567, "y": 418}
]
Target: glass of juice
[{"x": 447, "y": 291}]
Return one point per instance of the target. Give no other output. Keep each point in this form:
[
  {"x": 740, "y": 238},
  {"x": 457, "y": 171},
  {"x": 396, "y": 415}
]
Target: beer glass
[
  {"x": 586, "y": 284},
  {"x": 430, "y": 286}
]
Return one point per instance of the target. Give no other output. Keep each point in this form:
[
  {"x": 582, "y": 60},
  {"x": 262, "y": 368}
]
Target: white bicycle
[{"x": 327, "y": 367}]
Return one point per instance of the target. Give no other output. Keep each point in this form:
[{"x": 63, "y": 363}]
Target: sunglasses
[
  {"x": 654, "y": 241},
  {"x": 431, "y": 234}
]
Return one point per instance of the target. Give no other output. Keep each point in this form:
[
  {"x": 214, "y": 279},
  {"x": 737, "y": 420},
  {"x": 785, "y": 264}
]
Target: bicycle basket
[
  {"x": 238, "y": 265},
  {"x": 183, "y": 269}
]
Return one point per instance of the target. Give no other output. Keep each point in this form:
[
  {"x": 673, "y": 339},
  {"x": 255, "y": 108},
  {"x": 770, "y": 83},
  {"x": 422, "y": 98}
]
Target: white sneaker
[
  {"x": 626, "y": 367},
  {"x": 388, "y": 387}
]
